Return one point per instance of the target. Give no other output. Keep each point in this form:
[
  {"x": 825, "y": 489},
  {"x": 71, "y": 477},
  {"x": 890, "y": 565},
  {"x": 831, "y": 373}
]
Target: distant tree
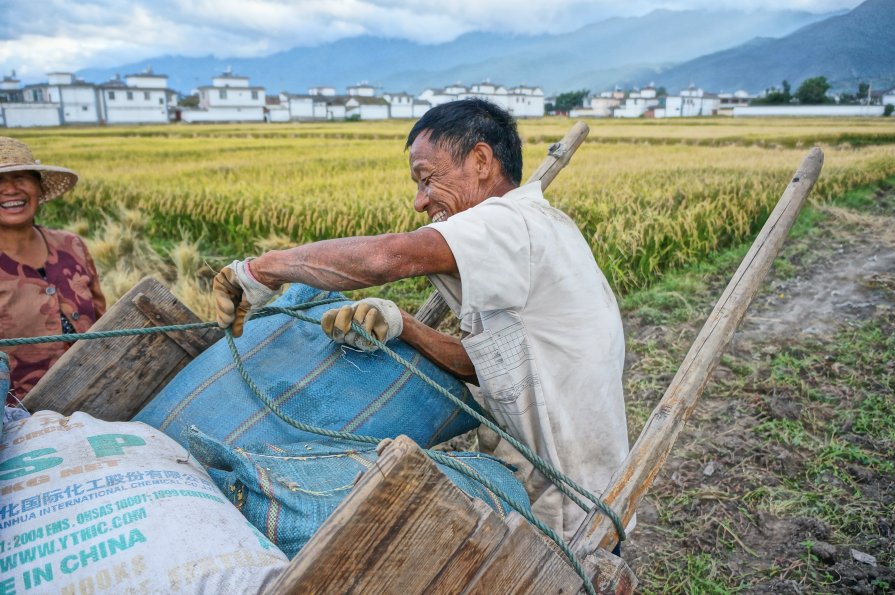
[
  {"x": 661, "y": 92},
  {"x": 863, "y": 91},
  {"x": 549, "y": 108},
  {"x": 887, "y": 111},
  {"x": 813, "y": 91},
  {"x": 189, "y": 101},
  {"x": 565, "y": 102},
  {"x": 774, "y": 96},
  {"x": 860, "y": 97}
]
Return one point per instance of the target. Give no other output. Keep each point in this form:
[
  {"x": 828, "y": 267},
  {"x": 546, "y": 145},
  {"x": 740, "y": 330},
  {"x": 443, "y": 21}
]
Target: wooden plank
[
  {"x": 112, "y": 379},
  {"x": 405, "y": 528},
  {"x": 609, "y": 573},
  {"x": 191, "y": 342},
  {"x": 559, "y": 154},
  {"x": 628, "y": 485},
  {"x": 524, "y": 563},
  {"x": 474, "y": 552},
  {"x": 434, "y": 309}
]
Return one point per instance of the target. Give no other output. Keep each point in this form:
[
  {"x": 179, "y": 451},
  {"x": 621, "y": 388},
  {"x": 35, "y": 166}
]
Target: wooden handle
[
  {"x": 629, "y": 484},
  {"x": 434, "y": 309}
]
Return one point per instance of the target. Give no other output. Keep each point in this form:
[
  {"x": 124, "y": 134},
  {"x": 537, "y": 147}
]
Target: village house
[
  {"x": 334, "y": 108},
  {"x": 637, "y": 103},
  {"x": 229, "y": 98},
  {"x": 404, "y": 105},
  {"x": 275, "y": 110},
  {"x": 361, "y": 90},
  {"x": 728, "y": 101},
  {"x": 436, "y": 97},
  {"x": 692, "y": 102},
  {"x": 366, "y": 108},
  {"x": 600, "y": 106},
  {"x": 299, "y": 107},
  {"x": 320, "y": 103},
  {"x": 525, "y": 102},
  {"x": 488, "y": 91},
  {"x": 73, "y": 99},
  {"x": 304, "y": 107},
  {"x": 10, "y": 92},
  {"x": 888, "y": 97},
  {"x": 326, "y": 91},
  {"x": 140, "y": 99},
  {"x": 11, "y": 89},
  {"x": 63, "y": 99}
]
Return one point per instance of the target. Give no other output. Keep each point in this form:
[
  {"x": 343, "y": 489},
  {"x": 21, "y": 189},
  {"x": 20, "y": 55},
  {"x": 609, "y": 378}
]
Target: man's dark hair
[{"x": 457, "y": 126}]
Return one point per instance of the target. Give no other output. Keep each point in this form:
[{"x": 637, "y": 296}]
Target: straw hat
[{"x": 54, "y": 181}]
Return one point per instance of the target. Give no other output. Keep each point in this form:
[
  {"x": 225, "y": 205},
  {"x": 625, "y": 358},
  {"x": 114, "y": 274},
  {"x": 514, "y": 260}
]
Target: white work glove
[
  {"x": 236, "y": 292},
  {"x": 380, "y": 318}
]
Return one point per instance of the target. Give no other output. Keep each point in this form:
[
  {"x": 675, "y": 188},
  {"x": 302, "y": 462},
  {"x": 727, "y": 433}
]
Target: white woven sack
[{"x": 88, "y": 506}]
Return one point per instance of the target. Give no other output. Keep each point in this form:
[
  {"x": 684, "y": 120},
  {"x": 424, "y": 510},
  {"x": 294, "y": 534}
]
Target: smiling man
[{"x": 541, "y": 331}]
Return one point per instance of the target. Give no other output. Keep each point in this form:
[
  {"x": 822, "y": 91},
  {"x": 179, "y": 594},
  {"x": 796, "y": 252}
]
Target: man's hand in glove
[
  {"x": 380, "y": 318},
  {"x": 236, "y": 291}
]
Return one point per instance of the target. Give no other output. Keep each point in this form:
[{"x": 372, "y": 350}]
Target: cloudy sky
[{"x": 40, "y": 36}]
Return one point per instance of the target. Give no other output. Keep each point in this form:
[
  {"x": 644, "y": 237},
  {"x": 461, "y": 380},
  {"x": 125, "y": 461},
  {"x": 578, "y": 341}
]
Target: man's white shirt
[{"x": 546, "y": 339}]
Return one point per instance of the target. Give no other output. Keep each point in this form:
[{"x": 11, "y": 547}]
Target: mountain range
[
  {"x": 717, "y": 50},
  {"x": 848, "y": 49}
]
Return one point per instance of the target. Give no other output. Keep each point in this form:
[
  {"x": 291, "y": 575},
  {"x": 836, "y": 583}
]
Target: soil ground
[{"x": 783, "y": 480}]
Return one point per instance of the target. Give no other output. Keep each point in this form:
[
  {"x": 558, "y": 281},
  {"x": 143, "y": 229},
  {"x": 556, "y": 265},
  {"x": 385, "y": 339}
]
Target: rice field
[{"x": 648, "y": 195}]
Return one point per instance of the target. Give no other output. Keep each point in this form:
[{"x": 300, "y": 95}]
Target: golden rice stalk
[
  {"x": 186, "y": 258},
  {"x": 80, "y": 227},
  {"x": 274, "y": 241}
]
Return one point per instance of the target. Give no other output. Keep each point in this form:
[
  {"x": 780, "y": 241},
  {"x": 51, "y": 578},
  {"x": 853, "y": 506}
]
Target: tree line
[{"x": 812, "y": 91}]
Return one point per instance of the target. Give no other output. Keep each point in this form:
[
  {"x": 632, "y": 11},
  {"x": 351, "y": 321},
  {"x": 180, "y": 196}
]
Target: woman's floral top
[{"x": 33, "y": 302}]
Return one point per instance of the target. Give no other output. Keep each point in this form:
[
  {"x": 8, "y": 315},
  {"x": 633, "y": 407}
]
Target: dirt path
[{"x": 784, "y": 479}]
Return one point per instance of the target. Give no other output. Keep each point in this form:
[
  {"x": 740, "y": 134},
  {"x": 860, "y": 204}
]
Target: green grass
[
  {"x": 693, "y": 574},
  {"x": 823, "y": 407}
]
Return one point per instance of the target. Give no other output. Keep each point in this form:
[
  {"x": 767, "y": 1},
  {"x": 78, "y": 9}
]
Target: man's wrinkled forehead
[
  {"x": 420, "y": 147},
  {"x": 423, "y": 149}
]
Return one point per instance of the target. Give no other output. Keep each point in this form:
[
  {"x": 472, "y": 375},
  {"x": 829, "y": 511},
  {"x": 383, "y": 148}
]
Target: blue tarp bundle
[
  {"x": 312, "y": 380},
  {"x": 285, "y": 481},
  {"x": 287, "y": 491}
]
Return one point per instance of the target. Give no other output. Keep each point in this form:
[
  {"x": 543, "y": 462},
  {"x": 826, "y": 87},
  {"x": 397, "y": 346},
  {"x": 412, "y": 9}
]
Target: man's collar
[{"x": 530, "y": 190}]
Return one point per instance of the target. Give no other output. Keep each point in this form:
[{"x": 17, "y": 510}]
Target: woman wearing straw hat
[{"x": 48, "y": 282}]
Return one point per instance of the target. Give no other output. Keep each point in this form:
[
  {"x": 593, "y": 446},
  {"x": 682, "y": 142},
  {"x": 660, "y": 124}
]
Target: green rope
[
  {"x": 88, "y": 336},
  {"x": 72, "y": 337}
]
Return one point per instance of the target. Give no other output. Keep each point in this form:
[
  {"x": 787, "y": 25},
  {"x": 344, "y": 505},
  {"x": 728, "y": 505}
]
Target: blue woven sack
[
  {"x": 287, "y": 491},
  {"x": 312, "y": 380}
]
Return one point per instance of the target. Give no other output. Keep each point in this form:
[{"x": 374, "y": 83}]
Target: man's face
[
  {"x": 443, "y": 187},
  {"x": 20, "y": 193}
]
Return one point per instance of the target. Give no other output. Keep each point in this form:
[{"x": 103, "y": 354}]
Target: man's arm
[
  {"x": 444, "y": 350},
  {"x": 355, "y": 263}
]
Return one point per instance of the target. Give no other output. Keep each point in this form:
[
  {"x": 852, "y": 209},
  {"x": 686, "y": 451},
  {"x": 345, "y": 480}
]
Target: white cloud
[{"x": 62, "y": 35}]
